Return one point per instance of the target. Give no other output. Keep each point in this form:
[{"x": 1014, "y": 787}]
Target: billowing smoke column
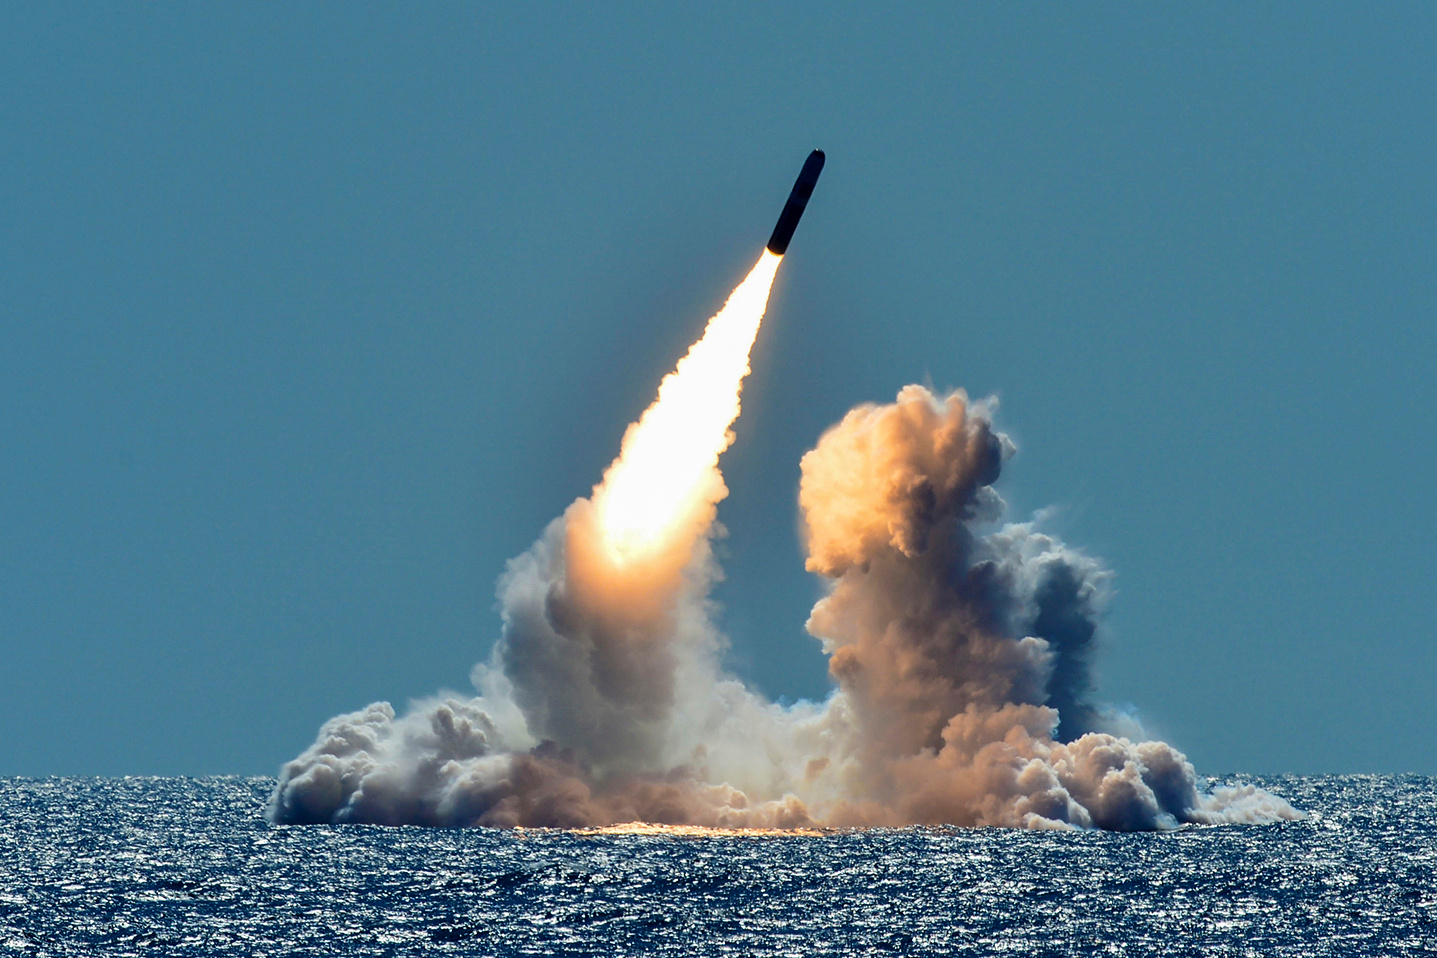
[
  {"x": 960, "y": 650},
  {"x": 601, "y": 698},
  {"x": 961, "y": 658}
]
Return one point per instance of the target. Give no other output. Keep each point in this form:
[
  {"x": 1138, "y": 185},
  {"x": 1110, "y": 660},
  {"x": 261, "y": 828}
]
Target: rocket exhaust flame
[
  {"x": 665, "y": 474},
  {"x": 959, "y": 650}
]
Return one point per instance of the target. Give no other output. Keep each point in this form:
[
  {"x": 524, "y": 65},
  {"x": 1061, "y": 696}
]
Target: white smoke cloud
[{"x": 959, "y": 647}]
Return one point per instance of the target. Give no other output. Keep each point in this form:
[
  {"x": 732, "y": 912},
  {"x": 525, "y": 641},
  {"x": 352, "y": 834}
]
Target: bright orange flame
[{"x": 666, "y": 466}]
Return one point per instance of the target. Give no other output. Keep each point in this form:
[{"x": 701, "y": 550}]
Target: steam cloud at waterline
[{"x": 959, "y": 646}]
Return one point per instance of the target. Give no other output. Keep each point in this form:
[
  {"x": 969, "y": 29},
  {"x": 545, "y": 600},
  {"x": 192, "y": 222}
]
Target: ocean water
[{"x": 169, "y": 866}]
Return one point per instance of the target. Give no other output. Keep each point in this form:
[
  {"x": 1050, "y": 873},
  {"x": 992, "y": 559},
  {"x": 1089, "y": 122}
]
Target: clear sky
[{"x": 312, "y": 316}]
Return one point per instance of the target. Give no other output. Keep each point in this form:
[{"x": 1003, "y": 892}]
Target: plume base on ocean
[{"x": 959, "y": 646}]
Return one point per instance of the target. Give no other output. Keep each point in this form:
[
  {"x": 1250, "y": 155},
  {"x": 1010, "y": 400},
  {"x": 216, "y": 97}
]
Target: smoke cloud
[{"x": 959, "y": 647}]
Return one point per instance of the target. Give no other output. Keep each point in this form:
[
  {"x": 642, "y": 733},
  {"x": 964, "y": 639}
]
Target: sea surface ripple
[{"x": 177, "y": 866}]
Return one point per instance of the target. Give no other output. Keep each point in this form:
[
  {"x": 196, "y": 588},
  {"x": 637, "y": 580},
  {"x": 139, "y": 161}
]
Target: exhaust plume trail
[
  {"x": 666, "y": 473},
  {"x": 606, "y": 632}
]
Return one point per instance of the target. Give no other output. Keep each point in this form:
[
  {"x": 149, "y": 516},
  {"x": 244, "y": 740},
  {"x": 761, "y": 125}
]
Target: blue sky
[{"x": 314, "y": 317}]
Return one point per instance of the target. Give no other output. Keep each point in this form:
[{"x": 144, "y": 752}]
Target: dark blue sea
[{"x": 167, "y": 866}]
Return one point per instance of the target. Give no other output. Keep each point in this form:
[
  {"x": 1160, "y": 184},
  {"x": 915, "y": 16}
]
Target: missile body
[{"x": 797, "y": 200}]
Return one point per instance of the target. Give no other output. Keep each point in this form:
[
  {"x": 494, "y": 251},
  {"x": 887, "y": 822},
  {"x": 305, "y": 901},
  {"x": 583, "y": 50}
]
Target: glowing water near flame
[{"x": 665, "y": 469}]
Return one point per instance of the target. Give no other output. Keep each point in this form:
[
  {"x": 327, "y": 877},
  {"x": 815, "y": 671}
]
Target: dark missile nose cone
[{"x": 797, "y": 200}]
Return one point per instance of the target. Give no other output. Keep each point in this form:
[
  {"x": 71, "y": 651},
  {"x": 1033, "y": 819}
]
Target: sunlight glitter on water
[{"x": 189, "y": 867}]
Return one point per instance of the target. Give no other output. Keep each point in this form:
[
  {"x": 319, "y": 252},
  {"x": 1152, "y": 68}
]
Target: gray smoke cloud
[{"x": 960, "y": 648}]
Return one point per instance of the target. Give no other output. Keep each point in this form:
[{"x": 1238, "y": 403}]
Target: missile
[{"x": 797, "y": 200}]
